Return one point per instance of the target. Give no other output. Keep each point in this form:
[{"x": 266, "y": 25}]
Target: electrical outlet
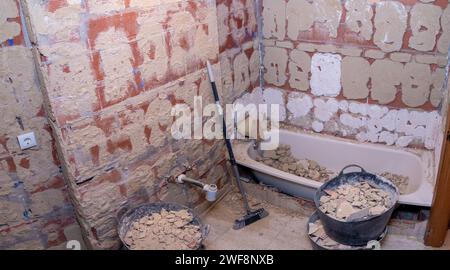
[{"x": 26, "y": 140}]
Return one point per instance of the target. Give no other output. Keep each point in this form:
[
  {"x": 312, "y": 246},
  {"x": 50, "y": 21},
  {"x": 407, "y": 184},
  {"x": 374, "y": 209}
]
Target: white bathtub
[{"x": 335, "y": 153}]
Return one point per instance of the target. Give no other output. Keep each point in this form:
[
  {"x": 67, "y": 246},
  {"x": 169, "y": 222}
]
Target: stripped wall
[
  {"x": 35, "y": 211},
  {"x": 111, "y": 71},
  {"x": 367, "y": 70}
]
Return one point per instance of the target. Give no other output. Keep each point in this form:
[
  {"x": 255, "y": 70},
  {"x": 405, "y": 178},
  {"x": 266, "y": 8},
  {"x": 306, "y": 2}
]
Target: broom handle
[{"x": 227, "y": 140}]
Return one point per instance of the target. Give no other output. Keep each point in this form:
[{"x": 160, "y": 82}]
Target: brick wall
[
  {"x": 112, "y": 71},
  {"x": 368, "y": 70},
  {"x": 35, "y": 212}
]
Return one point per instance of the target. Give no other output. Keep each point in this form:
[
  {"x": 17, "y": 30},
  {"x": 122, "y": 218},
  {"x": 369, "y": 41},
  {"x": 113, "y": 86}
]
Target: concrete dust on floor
[{"x": 282, "y": 229}]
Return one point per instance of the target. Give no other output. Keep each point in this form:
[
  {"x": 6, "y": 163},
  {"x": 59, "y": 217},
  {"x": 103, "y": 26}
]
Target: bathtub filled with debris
[{"x": 302, "y": 162}]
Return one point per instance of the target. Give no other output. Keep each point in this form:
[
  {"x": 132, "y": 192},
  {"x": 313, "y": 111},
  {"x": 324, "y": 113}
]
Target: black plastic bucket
[{"x": 358, "y": 232}]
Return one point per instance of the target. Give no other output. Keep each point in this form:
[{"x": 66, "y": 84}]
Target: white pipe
[{"x": 210, "y": 189}]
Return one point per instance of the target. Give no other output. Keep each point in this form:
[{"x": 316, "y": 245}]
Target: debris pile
[
  {"x": 318, "y": 235},
  {"x": 355, "y": 201},
  {"x": 282, "y": 159},
  {"x": 399, "y": 180},
  {"x": 167, "y": 230}
]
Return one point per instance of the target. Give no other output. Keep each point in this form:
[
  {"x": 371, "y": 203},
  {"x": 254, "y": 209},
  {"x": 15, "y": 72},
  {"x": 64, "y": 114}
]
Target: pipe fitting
[{"x": 209, "y": 189}]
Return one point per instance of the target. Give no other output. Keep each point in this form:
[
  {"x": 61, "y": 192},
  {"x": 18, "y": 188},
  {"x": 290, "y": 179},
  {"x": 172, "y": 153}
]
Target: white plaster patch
[
  {"x": 299, "y": 104},
  {"x": 358, "y": 108},
  {"x": 241, "y": 73},
  {"x": 444, "y": 40},
  {"x": 275, "y": 96},
  {"x": 351, "y": 121},
  {"x": 326, "y": 74},
  {"x": 329, "y": 13},
  {"x": 223, "y": 23},
  {"x": 324, "y": 110},
  {"x": 388, "y": 137},
  {"x": 317, "y": 126}
]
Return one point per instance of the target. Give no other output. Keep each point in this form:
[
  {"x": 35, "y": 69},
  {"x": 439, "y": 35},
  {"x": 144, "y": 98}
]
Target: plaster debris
[
  {"x": 400, "y": 181},
  {"x": 385, "y": 76},
  {"x": 326, "y": 74},
  {"x": 318, "y": 235},
  {"x": 300, "y": 17},
  {"x": 390, "y": 25},
  {"x": 328, "y": 12},
  {"x": 274, "y": 16},
  {"x": 444, "y": 40},
  {"x": 416, "y": 84},
  {"x": 275, "y": 62},
  {"x": 167, "y": 230},
  {"x": 359, "y": 17},
  {"x": 345, "y": 201},
  {"x": 8, "y": 30},
  {"x": 355, "y": 77},
  {"x": 424, "y": 23},
  {"x": 299, "y": 69},
  {"x": 282, "y": 159}
]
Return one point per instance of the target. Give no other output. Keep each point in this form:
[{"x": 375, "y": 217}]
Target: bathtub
[{"x": 336, "y": 153}]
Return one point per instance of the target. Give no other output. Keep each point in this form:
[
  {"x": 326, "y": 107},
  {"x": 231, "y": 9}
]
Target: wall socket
[{"x": 27, "y": 140}]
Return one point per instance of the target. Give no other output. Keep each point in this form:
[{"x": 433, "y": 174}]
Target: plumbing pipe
[{"x": 210, "y": 189}]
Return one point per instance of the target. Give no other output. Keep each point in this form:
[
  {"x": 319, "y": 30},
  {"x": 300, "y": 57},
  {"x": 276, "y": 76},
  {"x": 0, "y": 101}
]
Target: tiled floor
[{"x": 282, "y": 229}]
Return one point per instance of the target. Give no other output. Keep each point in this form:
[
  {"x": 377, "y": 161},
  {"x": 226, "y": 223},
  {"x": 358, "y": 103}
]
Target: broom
[{"x": 251, "y": 216}]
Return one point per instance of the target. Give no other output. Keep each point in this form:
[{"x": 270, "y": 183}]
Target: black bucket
[{"x": 358, "y": 232}]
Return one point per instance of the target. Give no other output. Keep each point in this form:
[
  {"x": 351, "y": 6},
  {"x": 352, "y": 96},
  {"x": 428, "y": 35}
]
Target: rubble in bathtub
[
  {"x": 355, "y": 201},
  {"x": 282, "y": 159}
]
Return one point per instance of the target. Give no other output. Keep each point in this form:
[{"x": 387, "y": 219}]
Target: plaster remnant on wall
[
  {"x": 400, "y": 57},
  {"x": 285, "y": 44},
  {"x": 390, "y": 25},
  {"x": 299, "y": 104},
  {"x": 444, "y": 40},
  {"x": 300, "y": 17},
  {"x": 241, "y": 73},
  {"x": 352, "y": 121},
  {"x": 254, "y": 67},
  {"x": 425, "y": 26},
  {"x": 274, "y": 16},
  {"x": 350, "y": 51},
  {"x": 153, "y": 48},
  {"x": 325, "y": 109},
  {"x": 144, "y": 3},
  {"x": 102, "y": 7},
  {"x": 427, "y": 1},
  {"x": 275, "y": 96},
  {"x": 275, "y": 62},
  {"x": 317, "y": 126},
  {"x": 355, "y": 76},
  {"x": 238, "y": 21},
  {"x": 359, "y": 17},
  {"x": 306, "y": 47},
  {"x": 299, "y": 69},
  {"x": 326, "y": 74},
  {"x": 326, "y": 48},
  {"x": 429, "y": 59},
  {"x": 223, "y": 23},
  {"x": 374, "y": 54},
  {"x": 437, "y": 79},
  {"x": 385, "y": 76},
  {"x": 116, "y": 63},
  {"x": 329, "y": 13},
  {"x": 8, "y": 30},
  {"x": 404, "y": 141},
  {"x": 416, "y": 84}
]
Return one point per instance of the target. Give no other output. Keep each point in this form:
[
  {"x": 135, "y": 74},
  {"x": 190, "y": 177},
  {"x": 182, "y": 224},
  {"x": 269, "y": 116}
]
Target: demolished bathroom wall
[
  {"x": 35, "y": 210},
  {"x": 112, "y": 71},
  {"x": 368, "y": 70}
]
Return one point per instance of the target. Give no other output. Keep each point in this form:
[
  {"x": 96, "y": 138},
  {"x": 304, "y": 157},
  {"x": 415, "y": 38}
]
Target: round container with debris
[
  {"x": 321, "y": 241},
  {"x": 161, "y": 226},
  {"x": 355, "y": 207}
]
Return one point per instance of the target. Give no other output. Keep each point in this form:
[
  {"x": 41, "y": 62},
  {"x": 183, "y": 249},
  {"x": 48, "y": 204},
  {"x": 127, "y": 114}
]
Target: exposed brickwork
[
  {"x": 34, "y": 204},
  {"x": 112, "y": 72}
]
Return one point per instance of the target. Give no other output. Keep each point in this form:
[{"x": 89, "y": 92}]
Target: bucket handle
[{"x": 351, "y": 165}]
